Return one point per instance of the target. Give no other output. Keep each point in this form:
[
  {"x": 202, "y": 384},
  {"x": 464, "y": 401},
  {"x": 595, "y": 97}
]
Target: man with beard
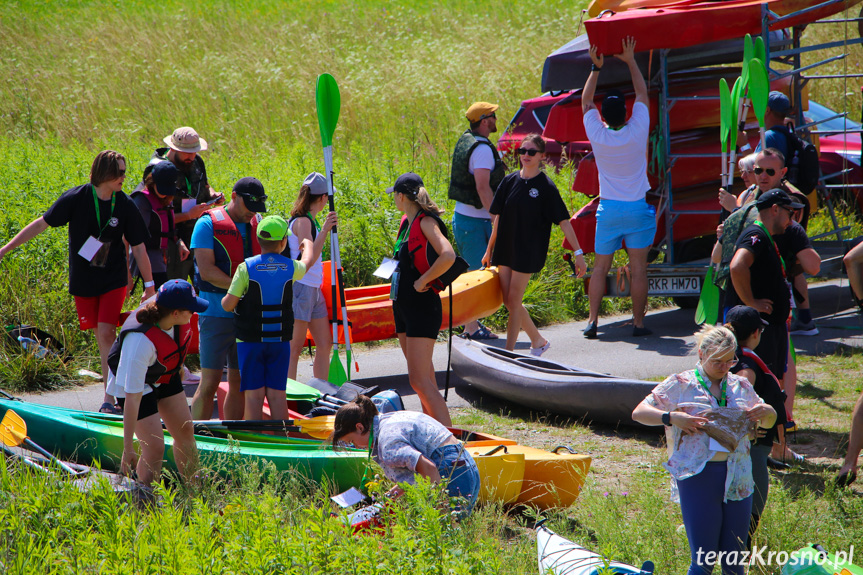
[
  {"x": 194, "y": 192},
  {"x": 155, "y": 204}
]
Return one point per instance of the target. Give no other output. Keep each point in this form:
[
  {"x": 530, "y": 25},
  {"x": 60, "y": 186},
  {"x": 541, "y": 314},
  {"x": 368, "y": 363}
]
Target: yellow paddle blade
[
  {"x": 13, "y": 430},
  {"x": 318, "y": 427}
]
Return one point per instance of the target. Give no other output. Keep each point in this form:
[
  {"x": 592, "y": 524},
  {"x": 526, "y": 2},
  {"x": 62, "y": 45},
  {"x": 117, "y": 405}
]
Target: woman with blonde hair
[
  {"x": 713, "y": 485},
  {"x": 424, "y": 254}
]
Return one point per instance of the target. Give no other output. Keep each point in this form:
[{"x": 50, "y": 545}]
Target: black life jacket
[{"x": 266, "y": 312}]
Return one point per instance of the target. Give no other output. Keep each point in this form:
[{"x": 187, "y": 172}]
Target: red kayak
[{"x": 676, "y": 26}]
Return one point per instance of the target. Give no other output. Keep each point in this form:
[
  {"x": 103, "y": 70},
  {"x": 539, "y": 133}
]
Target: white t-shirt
[
  {"x": 137, "y": 355},
  {"x": 621, "y": 155},
  {"x": 315, "y": 274},
  {"x": 483, "y": 158}
]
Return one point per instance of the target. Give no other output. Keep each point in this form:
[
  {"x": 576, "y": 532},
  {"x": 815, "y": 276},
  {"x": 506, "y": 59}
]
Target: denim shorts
[
  {"x": 471, "y": 237},
  {"x": 309, "y": 302},
  {"x": 616, "y": 221},
  {"x": 456, "y": 465},
  {"x": 218, "y": 342}
]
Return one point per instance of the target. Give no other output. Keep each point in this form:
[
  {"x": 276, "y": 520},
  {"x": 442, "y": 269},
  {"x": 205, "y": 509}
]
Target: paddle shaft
[
  {"x": 35, "y": 447},
  {"x": 26, "y": 460}
]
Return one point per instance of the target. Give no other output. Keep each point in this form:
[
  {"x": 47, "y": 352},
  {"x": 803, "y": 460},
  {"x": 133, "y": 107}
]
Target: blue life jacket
[{"x": 265, "y": 314}]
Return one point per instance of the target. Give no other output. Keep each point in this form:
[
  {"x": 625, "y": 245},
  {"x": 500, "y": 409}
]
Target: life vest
[
  {"x": 292, "y": 250},
  {"x": 266, "y": 314},
  {"x": 228, "y": 248},
  {"x": 421, "y": 253},
  {"x": 462, "y": 184},
  {"x": 170, "y": 351},
  {"x": 161, "y": 226}
]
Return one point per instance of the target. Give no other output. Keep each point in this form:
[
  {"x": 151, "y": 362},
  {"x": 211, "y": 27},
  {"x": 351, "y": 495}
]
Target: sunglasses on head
[
  {"x": 529, "y": 152},
  {"x": 759, "y": 170}
]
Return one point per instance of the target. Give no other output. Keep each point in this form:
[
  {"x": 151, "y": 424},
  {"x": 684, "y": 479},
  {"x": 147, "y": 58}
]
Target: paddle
[
  {"x": 13, "y": 432},
  {"x": 318, "y": 427},
  {"x": 758, "y": 49},
  {"x": 759, "y": 90},
  {"x": 708, "y": 302},
  {"x": 724, "y": 124},
  {"x": 328, "y": 103},
  {"x": 736, "y": 94}
]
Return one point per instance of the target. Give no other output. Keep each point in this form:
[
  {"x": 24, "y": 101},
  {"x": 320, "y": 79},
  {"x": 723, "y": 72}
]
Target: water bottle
[{"x": 33, "y": 346}]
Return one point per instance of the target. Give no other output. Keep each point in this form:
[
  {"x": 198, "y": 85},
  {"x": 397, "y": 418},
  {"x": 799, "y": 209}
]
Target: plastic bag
[{"x": 727, "y": 425}]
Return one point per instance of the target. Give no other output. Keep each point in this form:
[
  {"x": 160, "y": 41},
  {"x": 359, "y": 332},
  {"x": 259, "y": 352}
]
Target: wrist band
[
  {"x": 149, "y": 284},
  {"x": 577, "y": 253},
  {"x": 595, "y": 68},
  {"x": 666, "y": 419}
]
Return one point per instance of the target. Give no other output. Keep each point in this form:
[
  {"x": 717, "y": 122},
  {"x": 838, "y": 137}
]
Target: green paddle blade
[
  {"x": 337, "y": 375},
  {"x": 748, "y": 53},
  {"x": 758, "y": 50},
  {"x": 724, "y": 113},
  {"x": 759, "y": 89},
  {"x": 708, "y": 303},
  {"x": 297, "y": 391},
  {"x": 736, "y": 94},
  {"x": 329, "y": 103}
]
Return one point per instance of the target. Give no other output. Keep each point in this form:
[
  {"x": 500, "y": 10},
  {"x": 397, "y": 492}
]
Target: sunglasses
[
  {"x": 759, "y": 170},
  {"x": 253, "y": 198},
  {"x": 484, "y": 116},
  {"x": 529, "y": 152}
]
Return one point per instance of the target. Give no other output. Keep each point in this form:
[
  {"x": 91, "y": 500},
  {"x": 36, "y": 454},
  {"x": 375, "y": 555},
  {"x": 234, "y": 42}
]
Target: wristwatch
[{"x": 666, "y": 419}]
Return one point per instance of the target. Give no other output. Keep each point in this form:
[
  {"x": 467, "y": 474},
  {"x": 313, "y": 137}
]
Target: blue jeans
[
  {"x": 457, "y": 467},
  {"x": 711, "y": 525},
  {"x": 471, "y": 236}
]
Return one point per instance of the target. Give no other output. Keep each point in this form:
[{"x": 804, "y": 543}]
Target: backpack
[
  {"x": 734, "y": 225},
  {"x": 804, "y": 168}
]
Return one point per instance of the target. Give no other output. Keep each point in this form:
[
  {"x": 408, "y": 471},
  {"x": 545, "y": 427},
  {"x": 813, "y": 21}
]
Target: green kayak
[{"x": 86, "y": 437}]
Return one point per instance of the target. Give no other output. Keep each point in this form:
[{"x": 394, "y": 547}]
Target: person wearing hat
[
  {"x": 759, "y": 278},
  {"x": 155, "y": 204},
  {"x": 261, "y": 298},
  {"x": 477, "y": 171},
  {"x": 747, "y": 324},
  {"x": 146, "y": 361},
  {"x": 194, "y": 196},
  {"x": 310, "y": 308},
  {"x": 424, "y": 254},
  {"x": 223, "y": 238},
  {"x": 102, "y": 220},
  {"x": 620, "y": 149}
]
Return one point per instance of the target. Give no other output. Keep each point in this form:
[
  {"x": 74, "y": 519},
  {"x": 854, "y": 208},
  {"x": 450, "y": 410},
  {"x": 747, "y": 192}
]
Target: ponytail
[
  {"x": 361, "y": 410},
  {"x": 425, "y": 202},
  {"x": 152, "y": 313}
]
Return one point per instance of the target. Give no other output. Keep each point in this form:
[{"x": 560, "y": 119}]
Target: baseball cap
[
  {"x": 186, "y": 140},
  {"x": 408, "y": 183},
  {"x": 179, "y": 294},
  {"x": 776, "y": 197},
  {"x": 317, "y": 184},
  {"x": 273, "y": 228},
  {"x": 165, "y": 176},
  {"x": 778, "y": 102},
  {"x": 479, "y": 111},
  {"x": 614, "y": 108},
  {"x": 744, "y": 319},
  {"x": 252, "y": 192}
]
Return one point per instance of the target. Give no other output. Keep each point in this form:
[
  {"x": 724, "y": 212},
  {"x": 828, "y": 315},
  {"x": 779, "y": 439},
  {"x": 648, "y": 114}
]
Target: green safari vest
[{"x": 462, "y": 185}]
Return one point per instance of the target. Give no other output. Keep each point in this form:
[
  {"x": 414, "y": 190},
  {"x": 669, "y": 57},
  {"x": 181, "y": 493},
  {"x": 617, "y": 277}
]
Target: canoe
[
  {"x": 692, "y": 25},
  {"x": 501, "y": 473},
  {"x": 563, "y": 557},
  {"x": 543, "y": 384},
  {"x": 476, "y": 295},
  {"x": 781, "y": 7},
  {"x": 815, "y": 560},
  {"x": 87, "y": 437},
  {"x": 568, "y": 67}
]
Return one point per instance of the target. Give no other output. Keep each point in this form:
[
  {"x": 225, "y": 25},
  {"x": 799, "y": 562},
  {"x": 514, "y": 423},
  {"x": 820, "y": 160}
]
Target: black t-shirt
[
  {"x": 767, "y": 388},
  {"x": 790, "y": 243},
  {"x": 766, "y": 276},
  {"x": 527, "y": 209},
  {"x": 77, "y": 209}
]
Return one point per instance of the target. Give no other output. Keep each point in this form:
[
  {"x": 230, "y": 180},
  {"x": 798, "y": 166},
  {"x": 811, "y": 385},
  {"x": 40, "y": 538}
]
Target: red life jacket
[
  {"x": 170, "y": 351},
  {"x": 161, "y": 222},
  {"x": 421, "y": 251},
  {"x": 228, "y": 250}
]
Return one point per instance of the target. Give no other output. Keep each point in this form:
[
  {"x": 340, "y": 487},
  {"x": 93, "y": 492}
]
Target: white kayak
[{"x": 560, "y": 556}]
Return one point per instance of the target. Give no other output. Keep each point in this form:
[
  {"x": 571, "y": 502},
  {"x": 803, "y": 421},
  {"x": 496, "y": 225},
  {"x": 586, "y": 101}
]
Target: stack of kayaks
[
  {"x": 542, "y": 384},
  {"x": 563, "y": 557}
]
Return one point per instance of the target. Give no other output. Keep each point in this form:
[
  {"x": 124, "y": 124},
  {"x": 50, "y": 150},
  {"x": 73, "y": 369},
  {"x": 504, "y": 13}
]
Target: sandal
[
  {"x": 482, "y": 333},
  {"x": 110, "y": 409}
]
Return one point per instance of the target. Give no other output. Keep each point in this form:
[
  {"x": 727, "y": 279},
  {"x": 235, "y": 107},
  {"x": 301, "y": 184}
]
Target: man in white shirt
[
  {"x": 477, "y": 170},
  {"x": 620, "y": 150}
]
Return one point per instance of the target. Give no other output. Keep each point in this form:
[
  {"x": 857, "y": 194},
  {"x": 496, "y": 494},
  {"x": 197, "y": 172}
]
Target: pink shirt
[{"x": 687, "y": 454}]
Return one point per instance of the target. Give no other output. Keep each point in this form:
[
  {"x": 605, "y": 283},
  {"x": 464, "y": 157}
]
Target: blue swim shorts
[
  {"x": 264, "y": 364},
  {"x": 616, "y": 221}
]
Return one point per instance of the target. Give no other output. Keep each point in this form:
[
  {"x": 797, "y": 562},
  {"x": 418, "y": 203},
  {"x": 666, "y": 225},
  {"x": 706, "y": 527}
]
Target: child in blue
[{"x": 261, "y": 297}]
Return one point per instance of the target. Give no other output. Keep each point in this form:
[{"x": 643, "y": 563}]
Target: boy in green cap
[{"x": 261, "y": 297}]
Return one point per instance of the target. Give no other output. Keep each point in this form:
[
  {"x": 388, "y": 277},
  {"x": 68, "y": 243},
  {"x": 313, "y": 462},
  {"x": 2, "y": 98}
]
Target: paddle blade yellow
[
  {"x": 318, "y": 427},
  {"x": 13, "y": 430}
]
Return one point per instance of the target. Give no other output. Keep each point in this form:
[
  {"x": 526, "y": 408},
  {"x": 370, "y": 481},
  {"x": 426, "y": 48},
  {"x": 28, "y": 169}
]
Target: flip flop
[{"x": 482, "y": 333}]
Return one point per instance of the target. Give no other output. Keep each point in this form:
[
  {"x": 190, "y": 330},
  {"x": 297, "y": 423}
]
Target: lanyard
[
  {"x": 366, "y": 479},
  {"x": 761, "y": 225},
  {"x": 722, "y": 400},
  {"x": 314, "y": 221},
  {"x": 96, "y": 203},
  {"x": 401, "y": 239}
]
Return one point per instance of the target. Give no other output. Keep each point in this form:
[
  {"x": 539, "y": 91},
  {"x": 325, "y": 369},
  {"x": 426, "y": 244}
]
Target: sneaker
[
  {"x": 640, "y": 331},
  {"x": 800, "y": 328},
  {"x": 538, "y": 351}
]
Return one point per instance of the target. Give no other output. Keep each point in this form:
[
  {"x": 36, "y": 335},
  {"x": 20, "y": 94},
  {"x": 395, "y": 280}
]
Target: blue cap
[
  {"x": 778, "y": 103},
  {"x": 165, "y": 175},
  {"x": 179, "y": 294}
]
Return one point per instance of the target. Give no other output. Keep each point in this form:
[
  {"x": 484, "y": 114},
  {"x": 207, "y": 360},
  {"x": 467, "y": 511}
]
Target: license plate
[{"x": 673, "y": 285}]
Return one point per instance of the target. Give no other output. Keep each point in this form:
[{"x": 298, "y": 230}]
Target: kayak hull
[
  {"x": 546, "y": 385},
  {"x": 560, "y": 556}
]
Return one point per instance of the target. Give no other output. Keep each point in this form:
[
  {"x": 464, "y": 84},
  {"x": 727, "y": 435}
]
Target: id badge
[
  {"x": 90, "y": 248},
  {"x": 394, "y": 285}
]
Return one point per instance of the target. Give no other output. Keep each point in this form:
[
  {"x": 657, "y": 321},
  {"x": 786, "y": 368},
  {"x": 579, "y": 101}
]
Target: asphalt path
[{"x": 668, "y": 350}]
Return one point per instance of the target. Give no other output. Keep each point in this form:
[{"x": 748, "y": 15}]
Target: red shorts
[{"x": 104, "y": 308}]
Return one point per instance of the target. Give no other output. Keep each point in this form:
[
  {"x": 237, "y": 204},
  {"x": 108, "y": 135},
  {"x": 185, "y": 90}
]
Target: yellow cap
[{"x": 479, "y": 111}]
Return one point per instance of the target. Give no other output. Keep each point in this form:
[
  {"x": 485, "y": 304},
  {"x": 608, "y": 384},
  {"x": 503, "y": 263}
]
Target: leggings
[{"x": 711, "y": 525}]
